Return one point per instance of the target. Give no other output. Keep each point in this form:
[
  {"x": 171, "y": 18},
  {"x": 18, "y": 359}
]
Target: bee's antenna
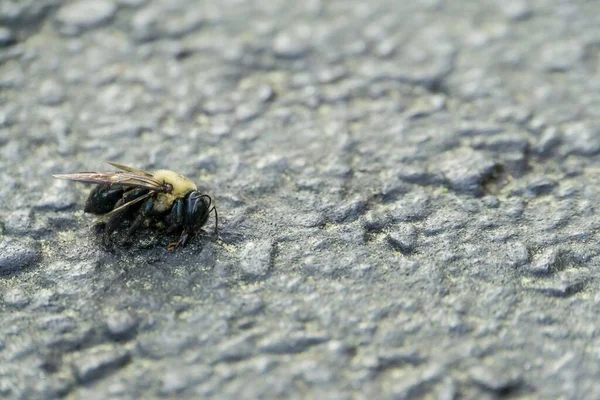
[
  {"x": 211, "y": 210},
  {"x": 216, "y": 220}
]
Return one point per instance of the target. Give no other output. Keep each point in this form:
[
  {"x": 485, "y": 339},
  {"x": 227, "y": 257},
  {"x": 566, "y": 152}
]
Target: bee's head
[{"x": 196, "y": 209}]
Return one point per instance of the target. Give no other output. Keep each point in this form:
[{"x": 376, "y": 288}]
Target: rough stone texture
[
  {"x": 73, "y": 18},
  {"x": 121, "y": 325},
  {"x": 17, "y": 255},
  {"x": 94, "y": 364},
  {"x": 407, "y": 196}
]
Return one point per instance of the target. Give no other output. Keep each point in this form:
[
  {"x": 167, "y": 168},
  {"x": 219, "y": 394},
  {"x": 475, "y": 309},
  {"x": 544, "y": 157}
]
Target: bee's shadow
[{"x": 149, "y": 243}]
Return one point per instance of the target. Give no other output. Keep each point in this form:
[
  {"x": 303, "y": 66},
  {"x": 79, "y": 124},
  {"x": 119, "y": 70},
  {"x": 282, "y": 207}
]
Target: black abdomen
[{"x": 102, "y": 199}]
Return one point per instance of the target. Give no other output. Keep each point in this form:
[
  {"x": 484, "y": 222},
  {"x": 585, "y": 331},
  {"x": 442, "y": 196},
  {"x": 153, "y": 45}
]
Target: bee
[{"x": 164, "y": 198}]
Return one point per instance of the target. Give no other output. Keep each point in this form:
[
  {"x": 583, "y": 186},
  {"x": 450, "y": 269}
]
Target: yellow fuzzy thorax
[{"x": 181, "y": 186}]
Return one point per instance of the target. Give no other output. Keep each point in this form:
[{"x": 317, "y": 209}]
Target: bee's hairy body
[
  {"x": 164, "y": 198},
  {"x": 181, "y": 187}
]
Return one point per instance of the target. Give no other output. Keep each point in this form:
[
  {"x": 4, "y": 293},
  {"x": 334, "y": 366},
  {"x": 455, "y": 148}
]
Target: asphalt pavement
[{"x": 407, "y": 196}]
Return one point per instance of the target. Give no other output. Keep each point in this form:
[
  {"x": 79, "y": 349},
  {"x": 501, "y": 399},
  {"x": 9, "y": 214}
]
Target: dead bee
[{"x": 164, "y": 197}]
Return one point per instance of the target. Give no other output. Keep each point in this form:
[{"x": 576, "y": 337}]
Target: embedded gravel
[{"x": 406, "y": 191}]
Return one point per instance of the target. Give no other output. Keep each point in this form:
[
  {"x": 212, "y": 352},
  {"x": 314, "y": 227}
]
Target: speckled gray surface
[{"x": 407, "y": 194}]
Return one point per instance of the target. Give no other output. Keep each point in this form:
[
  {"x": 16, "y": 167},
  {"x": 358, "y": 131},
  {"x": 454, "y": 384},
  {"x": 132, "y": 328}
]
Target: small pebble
[
  {"x": 494, "y": 380},
  {"x": 411, "y": 207},
  {"x": 51, "y": 93},
  {"x": 18, "y": 221},
  {"x": 466, "y": 170},
  {"x": 176, "y": 380},
  {"x": 385, "y": 48},
  {"x": 561, "y": 288},
  {"x": 548, "y": 141},
  {"x": 73, "y": 18},
  {"x": 16, "y": 298},
  {"x": 98, "y": 361},
  {"x": 7, "y": 37},
  {"x": 121, "y": 324},
  {"x": 561, "y": 55},
  {"x": 544, "y": 263},
  {"x": 403, "y": 238},
  {"x": 541, "y": 186},
  {"x": 289, "y": 45},
  {"x": 132, "y": 3},
  {"x": 517, "y": 254},
  {"x": 375, "y": 220},
  {"x": 165, "y": 344},
  {"x": 296, "y": 342},
  {"x": 266, "y": 93},
  {"x": 57, "y": 324},
  {"x": 17, "y": 254},
  {"x": 582, "y": 138},
  {"x": 236, "y": 349},
  {"x": 161, "y": 20},
  {"x": 349, "y": 211},
  {"x": 248, "y": 111},
  {"x": 256, "y": 258},
  {"x": 515, "y": 10}
]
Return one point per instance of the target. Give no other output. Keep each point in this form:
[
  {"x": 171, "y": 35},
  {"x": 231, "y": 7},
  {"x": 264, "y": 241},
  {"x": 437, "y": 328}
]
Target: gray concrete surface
[{"x": 407, "y": 190}]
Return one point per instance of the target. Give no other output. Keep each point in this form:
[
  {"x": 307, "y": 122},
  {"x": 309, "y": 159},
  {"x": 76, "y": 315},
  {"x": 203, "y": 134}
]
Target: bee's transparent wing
[
  {"x": 134, "y": 171},
  {"x": 117, "y": 178}
]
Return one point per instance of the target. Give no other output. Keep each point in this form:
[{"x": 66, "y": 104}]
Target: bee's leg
[
  {"x": 179, "y": 243},
  {"x": 117, "y": 218},
  {"x": 183, "y": 238},
  {"x": 143, "y": 213},
  {"x": 114, "y": 221},
  {"x": 175, "y": 219}
]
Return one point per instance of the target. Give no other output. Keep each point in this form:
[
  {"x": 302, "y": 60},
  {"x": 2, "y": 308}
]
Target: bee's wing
[
  {"x": 117, "y": 178},
  {"x": 124, "y": 206},
  {"x": 134, "y": 171}
]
